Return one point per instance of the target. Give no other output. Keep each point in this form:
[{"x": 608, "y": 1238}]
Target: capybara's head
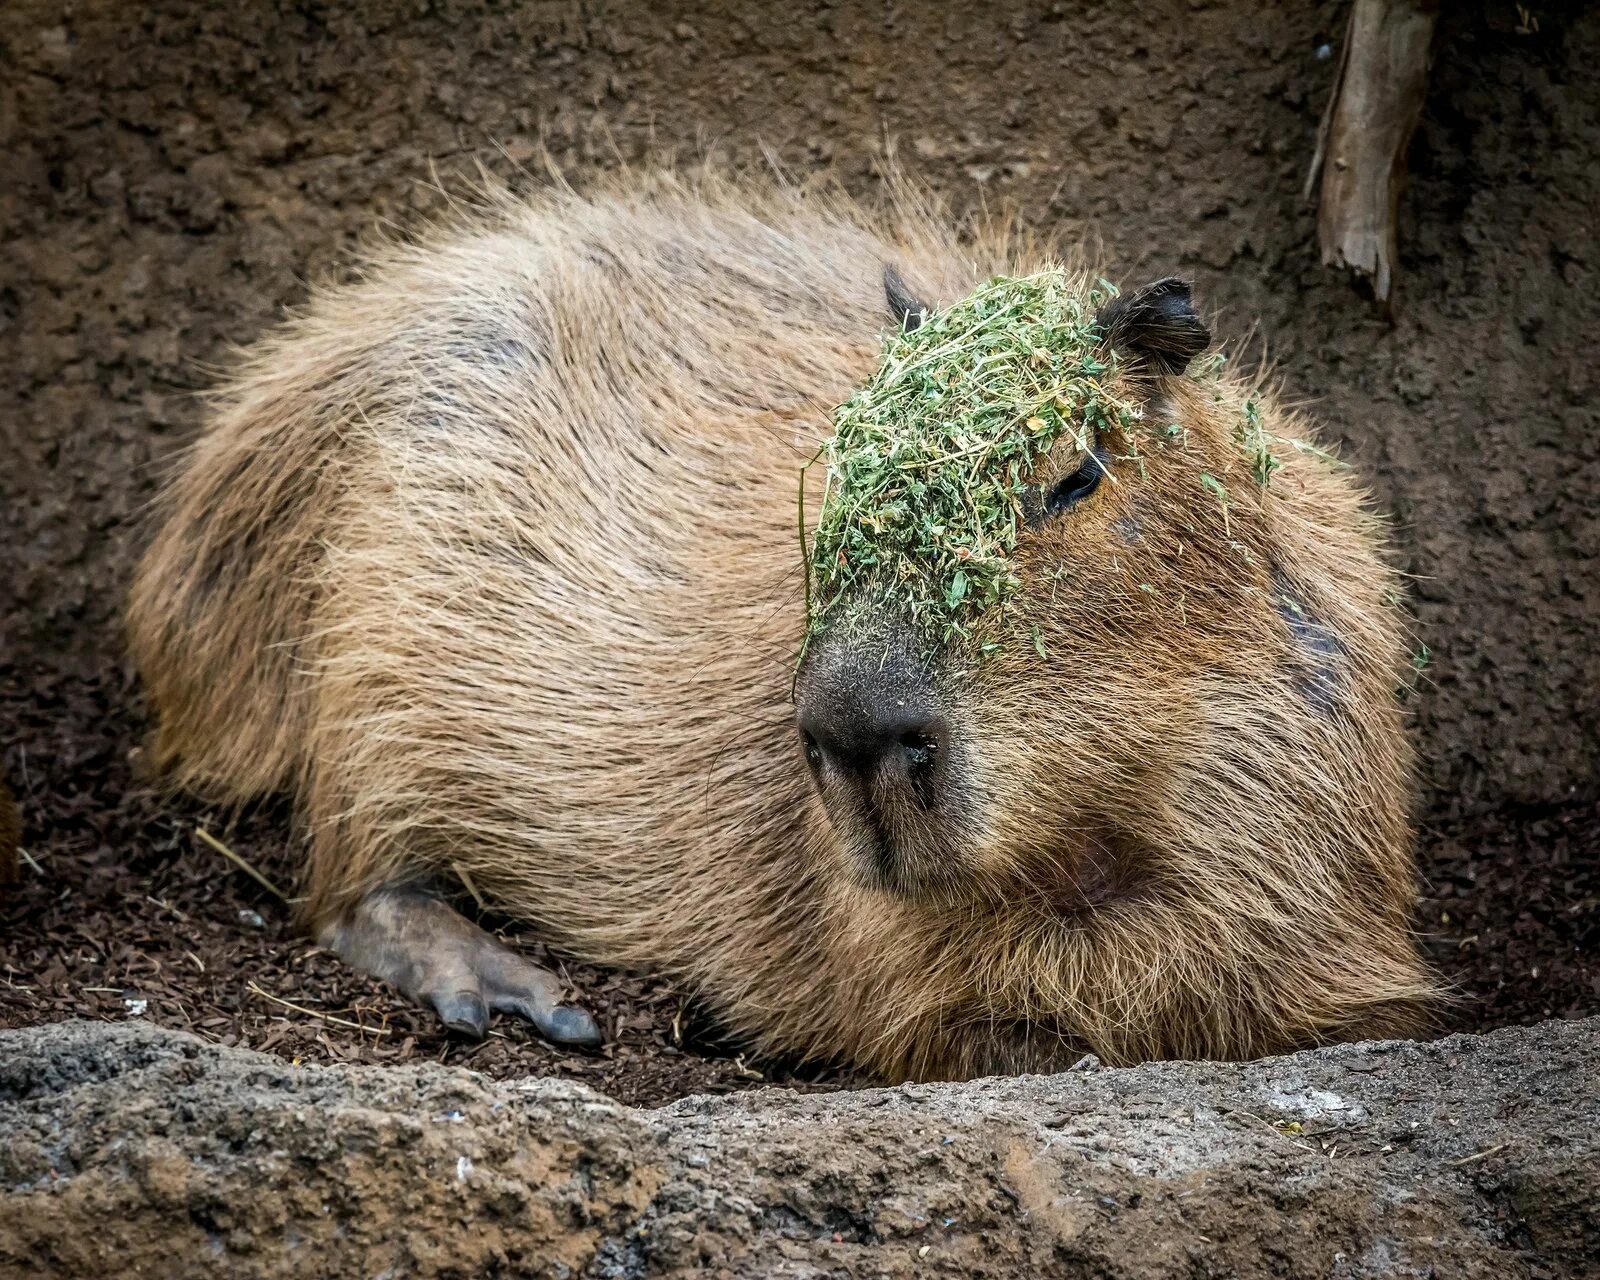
[{"x": 1055, "y": 621}]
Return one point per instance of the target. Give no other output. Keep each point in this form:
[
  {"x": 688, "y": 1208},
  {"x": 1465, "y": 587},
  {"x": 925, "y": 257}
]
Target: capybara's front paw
[{"x": 439, "y": 958}]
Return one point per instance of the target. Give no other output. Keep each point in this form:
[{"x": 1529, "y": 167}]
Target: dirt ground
[{"x": 176, "y": 171}]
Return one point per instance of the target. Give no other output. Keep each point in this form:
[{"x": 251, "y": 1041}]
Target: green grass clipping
[{"x": 930, "y": 460}]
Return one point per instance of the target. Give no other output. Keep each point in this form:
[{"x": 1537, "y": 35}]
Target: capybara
[{"x": 495, "y": 557}]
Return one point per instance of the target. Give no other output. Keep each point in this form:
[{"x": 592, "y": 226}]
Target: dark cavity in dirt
[{"x": 175, "y": 173}]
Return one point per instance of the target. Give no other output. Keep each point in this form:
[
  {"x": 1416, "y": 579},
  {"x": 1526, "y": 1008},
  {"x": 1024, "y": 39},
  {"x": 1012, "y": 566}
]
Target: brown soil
[{"x": 172, "y": 179}]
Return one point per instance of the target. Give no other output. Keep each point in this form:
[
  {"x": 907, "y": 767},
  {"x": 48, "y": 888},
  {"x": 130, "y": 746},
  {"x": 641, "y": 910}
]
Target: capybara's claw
[
  {"x": 516, "y": 985},
  {"x": 463, "y": 1012},
  {"x": 557, "y": 1023},
  {"x": 568, "y": 1024},
  {"x": 438, "y": 957}
]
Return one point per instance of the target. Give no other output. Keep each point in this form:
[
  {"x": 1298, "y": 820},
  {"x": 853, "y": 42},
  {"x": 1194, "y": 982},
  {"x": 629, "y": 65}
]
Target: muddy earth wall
[{"x": 175, "y": 171}]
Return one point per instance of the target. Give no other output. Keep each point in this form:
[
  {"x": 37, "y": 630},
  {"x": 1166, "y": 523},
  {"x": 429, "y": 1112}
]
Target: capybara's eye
[
  {"x": 1066, "y": 494},
  {"x": 812, "y": 750}
]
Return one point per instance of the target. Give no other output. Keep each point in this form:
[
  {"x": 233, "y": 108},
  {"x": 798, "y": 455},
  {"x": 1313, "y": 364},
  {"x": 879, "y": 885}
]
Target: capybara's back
[{"x": 497, "y": 559}]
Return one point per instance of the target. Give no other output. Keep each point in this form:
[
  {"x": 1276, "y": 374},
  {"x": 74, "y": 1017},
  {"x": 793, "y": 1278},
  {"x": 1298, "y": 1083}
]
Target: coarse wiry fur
[{"x": 491, "y": 558}]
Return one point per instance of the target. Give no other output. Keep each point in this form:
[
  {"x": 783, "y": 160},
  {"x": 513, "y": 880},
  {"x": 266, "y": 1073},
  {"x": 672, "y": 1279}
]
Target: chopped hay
[{"x": 931, "y": 459}]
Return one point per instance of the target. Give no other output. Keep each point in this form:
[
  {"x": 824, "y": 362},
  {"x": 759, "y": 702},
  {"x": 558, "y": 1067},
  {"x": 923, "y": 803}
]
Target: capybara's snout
[
  {"x": 874, "y": 736},
  {"x": 877, "y": 738}
]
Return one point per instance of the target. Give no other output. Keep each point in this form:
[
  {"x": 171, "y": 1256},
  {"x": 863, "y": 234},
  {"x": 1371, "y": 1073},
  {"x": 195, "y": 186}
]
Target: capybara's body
[{"x": 493, "y": 560}]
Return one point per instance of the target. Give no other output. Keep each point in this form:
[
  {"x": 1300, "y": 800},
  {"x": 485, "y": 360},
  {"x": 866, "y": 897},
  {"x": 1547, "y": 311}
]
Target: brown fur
[{"x": 491, "y": 559}]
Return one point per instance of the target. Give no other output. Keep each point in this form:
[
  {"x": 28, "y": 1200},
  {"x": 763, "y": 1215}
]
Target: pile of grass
[{"x": 930, "y": 460}]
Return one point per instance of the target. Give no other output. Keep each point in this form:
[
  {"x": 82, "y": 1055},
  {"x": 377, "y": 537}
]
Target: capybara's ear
[
  {"x": 908, "y": 310},
  {"x": 1156, "y": 326}
]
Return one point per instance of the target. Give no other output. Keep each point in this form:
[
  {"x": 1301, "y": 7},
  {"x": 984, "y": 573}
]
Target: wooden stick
[
  {"x": 1361, "y": 146},
  {"x": 1326, "y": 123},
  {"x": 314, "y": 1013},
  {"x": 239, "y": 862},
  {"x": 1478, "y": 1155}
]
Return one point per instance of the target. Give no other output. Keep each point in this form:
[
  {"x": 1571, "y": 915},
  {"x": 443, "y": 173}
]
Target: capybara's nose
[
  {"x": 869, "y": 737},
  {"x": 870, "y": 743}
]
